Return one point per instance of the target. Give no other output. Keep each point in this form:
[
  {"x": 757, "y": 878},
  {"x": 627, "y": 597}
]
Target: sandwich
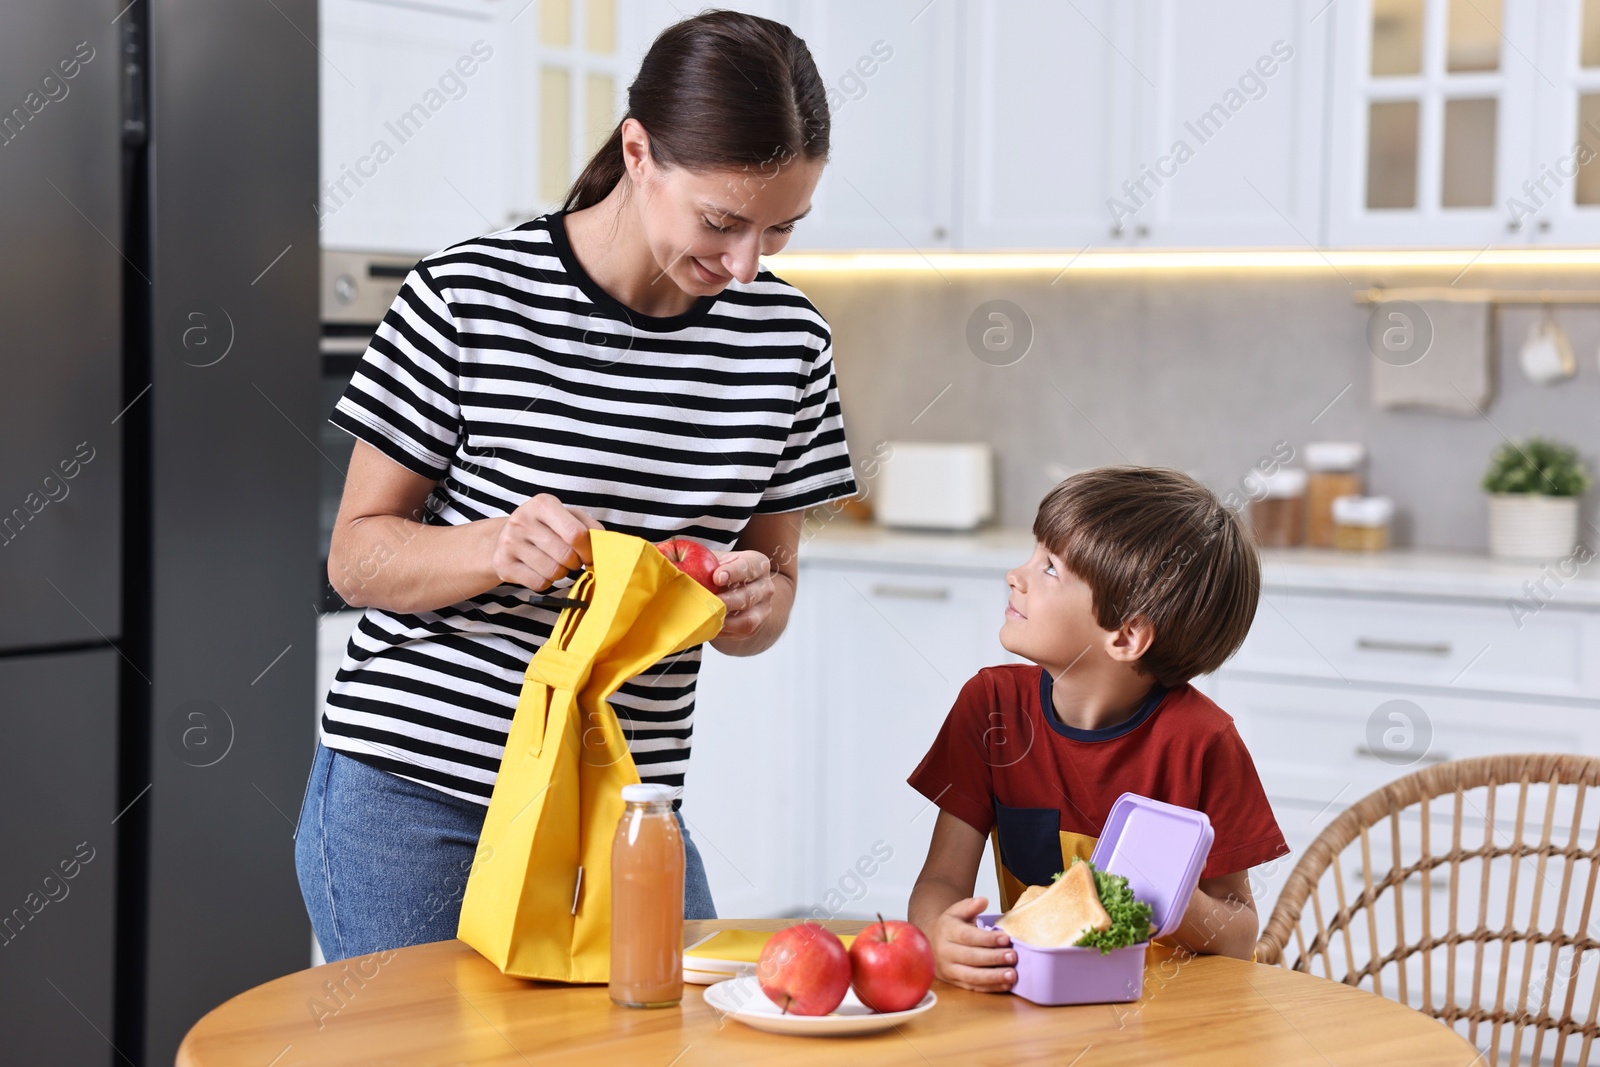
[
  {"x": 1059, "y": 914},
  {"x": 1083, "y": 906},
  {"x": 1027, "y": 894}
]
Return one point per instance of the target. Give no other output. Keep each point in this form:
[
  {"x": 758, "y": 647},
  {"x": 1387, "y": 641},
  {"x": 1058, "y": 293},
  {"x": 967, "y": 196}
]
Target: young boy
[{"x": 1139, "y": 580}]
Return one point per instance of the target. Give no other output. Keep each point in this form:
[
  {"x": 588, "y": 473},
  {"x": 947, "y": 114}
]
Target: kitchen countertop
[{"x": 1399, "y": 572}]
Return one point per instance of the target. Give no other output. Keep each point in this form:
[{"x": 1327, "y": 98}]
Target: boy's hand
[{"x": 967, "y": 956}]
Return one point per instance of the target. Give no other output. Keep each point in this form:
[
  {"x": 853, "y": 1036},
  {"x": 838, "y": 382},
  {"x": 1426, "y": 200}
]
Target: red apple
[
  {"x": 891, "y": 965},
  {"x": 693, "y": 559},
  {"x": 804, "y": 970}
]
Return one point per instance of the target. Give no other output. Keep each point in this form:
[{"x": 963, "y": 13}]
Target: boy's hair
[{"x": 1155, "y": 542}]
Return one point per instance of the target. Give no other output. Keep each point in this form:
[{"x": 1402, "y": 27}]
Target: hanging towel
[{"x": 1456, "y": 373}]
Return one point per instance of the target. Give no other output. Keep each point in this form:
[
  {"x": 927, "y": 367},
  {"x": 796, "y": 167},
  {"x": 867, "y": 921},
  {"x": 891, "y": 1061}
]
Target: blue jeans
[{"x": 383, "y": 861}]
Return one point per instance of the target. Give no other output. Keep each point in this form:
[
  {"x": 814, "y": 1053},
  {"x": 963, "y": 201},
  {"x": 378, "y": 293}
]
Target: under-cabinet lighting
[{"x": 1094, "y": 261}]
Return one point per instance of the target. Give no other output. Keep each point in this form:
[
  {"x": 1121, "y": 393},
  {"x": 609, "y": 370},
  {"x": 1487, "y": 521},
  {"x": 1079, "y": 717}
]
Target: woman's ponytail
[{"x": 603, "y": 171}]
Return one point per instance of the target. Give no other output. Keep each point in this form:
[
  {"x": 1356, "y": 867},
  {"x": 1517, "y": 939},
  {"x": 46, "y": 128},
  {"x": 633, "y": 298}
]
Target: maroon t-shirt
[{"x": 1003, "y": 761}]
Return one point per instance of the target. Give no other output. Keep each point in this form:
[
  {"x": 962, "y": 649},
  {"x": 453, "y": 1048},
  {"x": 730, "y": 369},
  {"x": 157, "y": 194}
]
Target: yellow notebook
[{"x": 728, "y": 953}]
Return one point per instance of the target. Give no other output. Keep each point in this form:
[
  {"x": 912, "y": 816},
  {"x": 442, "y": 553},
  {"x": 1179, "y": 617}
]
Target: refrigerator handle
[{"x": 133, "y": 86}]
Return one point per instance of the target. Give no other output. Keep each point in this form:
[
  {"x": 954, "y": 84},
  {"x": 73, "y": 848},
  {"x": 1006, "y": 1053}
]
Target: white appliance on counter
[{"x": 926, "y": 486}]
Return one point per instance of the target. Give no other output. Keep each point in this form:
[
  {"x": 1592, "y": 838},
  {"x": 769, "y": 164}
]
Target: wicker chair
[{"x": 1516, "y": 880}]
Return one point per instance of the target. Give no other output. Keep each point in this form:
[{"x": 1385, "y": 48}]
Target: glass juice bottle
[{"x": 647, "y": 901}]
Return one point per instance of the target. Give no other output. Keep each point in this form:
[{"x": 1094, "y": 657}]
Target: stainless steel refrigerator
[{"x": 158, "y": 513}]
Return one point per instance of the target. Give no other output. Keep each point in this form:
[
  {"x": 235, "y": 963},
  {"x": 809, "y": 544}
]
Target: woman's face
[{"x": 706, "y": 228}]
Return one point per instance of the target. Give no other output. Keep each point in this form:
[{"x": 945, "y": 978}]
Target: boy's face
[{"x": 1050, "y": 614}]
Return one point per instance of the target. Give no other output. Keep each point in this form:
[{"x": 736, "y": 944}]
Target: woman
[{"x": 621, "y": 364}]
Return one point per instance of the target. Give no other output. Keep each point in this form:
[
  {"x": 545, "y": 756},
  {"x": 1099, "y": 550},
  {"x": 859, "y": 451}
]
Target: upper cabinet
[
  {"x": 1465, "y": 122},
  {"x": 890, "y": 179},
  {"x": 1558, "y": 200},
  {"x": 1229, "y": 147},
  {"x": 1150, "y": 122},
  {"x": 571, "y": 65},
  {"x": 1433, "y": 109},
  {"x": 886, "y": 69},
  {"x": 1047, "y": 122},
  {"x": 413, "y": 123},
  {"x": 1012, "y": 124}
]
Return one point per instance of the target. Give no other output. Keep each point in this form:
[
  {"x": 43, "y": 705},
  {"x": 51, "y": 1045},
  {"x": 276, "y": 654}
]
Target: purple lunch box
[{"x": 1160, "y": 849}]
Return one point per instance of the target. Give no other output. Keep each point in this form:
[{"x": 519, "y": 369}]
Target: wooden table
[{"x": 443, "y": 1004}]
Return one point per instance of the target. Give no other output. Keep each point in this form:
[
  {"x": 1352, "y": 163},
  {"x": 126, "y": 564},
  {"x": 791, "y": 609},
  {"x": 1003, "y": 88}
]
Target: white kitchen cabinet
[
  {"x": 1012, "y": 124},
  {"x": 414, "y": 105},
  {"x": 572, "y": 62},
  {"x": 442, "y": 121},
  {"x": 808, "y": 799},
  {"x": 1312, "y": 744},
  {"x": 890, "y": 180},
  {"x": 1433, "y": 111},
  {"x": 1048, "y": 123},
  {"x": 1228, "y": 133},
  {"x": 1154, "y": 123},
  {"x": 1336, "y": 695},
  {"x": 1466, "y": 646},
  {"x": 898, "y": 645},
  {"x": 752, "y": 779},
  {"x": 892, "y": 107},
  {"x": 1558, "y": 199},
  {"x": 797, "y": 791}
]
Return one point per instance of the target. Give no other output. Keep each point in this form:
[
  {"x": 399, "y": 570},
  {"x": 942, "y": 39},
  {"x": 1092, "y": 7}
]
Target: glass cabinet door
[
  {"x": 1558, "y": 200},
  {"x": 570, "y": 69},
  {"x": 1433, "y": 120}
]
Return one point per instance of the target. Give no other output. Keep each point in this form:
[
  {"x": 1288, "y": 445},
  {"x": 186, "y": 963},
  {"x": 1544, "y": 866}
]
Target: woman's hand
[
  {"x": 744, "y": 581},
  {"x": 541, "y": 541}
]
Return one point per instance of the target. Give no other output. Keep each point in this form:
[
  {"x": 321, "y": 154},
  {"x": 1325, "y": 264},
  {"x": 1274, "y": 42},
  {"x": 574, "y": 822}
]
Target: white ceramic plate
[{"x": 742, "y": 999}]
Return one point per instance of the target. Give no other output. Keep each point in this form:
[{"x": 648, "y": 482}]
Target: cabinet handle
[
  {"x": 1421, "y": 648},
  {"x": 1368, "y": 752},
  {"x": 911, "y": 592}
]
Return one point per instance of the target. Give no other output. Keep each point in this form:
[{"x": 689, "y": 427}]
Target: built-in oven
[{"x": 357, "y": 289}]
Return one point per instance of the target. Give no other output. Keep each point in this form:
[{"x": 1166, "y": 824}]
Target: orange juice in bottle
[{"x": 647, "y": 901}]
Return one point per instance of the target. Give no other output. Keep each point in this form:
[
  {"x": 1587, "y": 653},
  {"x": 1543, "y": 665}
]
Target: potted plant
[{"x": 1534, "y": 488}]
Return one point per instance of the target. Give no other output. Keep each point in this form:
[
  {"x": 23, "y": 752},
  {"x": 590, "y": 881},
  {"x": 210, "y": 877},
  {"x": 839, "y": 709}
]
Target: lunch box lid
[{"x": 1160, "y": 849}]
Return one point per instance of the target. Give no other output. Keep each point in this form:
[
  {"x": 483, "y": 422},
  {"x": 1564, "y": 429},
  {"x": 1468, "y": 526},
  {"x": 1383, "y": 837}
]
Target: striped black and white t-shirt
[{"x": 504, "y": 371}]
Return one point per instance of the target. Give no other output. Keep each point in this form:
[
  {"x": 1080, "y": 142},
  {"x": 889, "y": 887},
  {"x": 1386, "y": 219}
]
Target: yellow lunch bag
[{"x": 538, "y": 898}]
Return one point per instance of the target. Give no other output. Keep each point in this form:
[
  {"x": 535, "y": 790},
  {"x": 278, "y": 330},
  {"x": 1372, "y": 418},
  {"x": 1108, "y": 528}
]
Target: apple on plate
[
  {"x": 891, "y": 966},
  {"x": 693, "y": 559},
  {"x": 804, "y": 969}
]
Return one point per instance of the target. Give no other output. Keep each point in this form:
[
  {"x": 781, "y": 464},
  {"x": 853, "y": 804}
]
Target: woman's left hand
[{"x": 744, "y": 582}]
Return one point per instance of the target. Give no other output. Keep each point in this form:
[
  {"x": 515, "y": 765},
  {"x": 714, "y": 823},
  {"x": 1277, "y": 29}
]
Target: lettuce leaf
[{"x": 1130, "y": 919}]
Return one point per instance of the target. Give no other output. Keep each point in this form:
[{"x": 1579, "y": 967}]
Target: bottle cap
[
  {"x": 1335, "y": 455},
  {"x": 647, "y": 794},
  {"x": 1362, "y": 510},
  {"x": 1284, "y": 482}
]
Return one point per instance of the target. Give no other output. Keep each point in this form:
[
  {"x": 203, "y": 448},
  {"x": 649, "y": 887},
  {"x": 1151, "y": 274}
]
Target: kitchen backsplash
[{"x": 1204, "y": 371}]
